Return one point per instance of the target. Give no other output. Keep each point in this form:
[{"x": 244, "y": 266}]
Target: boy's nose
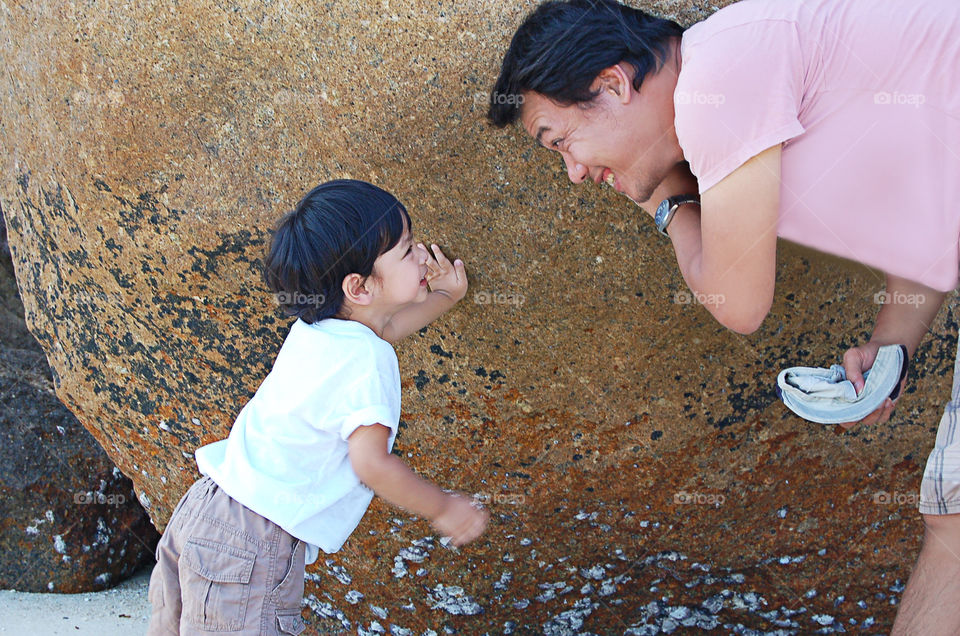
[{"x": 424, "y": 253}]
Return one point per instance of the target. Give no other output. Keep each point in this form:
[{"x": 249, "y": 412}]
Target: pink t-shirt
[{"x": 864, "y": 95}]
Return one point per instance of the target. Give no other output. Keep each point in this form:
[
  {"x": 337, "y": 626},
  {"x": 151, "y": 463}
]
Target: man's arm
[
  {"x": 727, "y": 248},
  {"x": 904, "y": 319},
  {"x": 448, "y": 284}
]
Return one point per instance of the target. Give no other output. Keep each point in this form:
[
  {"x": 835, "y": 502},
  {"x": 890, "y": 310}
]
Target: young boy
[{"x": 307, "y": 453}]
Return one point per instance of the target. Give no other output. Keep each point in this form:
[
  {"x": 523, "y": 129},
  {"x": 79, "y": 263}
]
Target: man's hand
[
  {"x": 444, "y": 276},
  {"x": 460, "y": 520},
  {"x": 897, "y": 323},
  {"x": 855, "y": 362}
]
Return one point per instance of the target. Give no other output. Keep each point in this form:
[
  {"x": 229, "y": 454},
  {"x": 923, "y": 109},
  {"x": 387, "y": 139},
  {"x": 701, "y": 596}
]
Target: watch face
[{"x": 662, "y": 211}]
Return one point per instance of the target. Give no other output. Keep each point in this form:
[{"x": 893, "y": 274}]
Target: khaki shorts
[
  {"x": 224, "y": 569},
  {"x": 940, "y": 488}
]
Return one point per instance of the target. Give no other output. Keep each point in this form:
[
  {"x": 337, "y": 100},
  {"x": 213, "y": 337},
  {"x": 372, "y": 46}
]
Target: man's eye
[{"x": 555, "y": 143}]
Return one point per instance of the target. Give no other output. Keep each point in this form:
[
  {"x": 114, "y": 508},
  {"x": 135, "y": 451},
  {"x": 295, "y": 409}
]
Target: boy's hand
[
  {"x": 444, "y": 276},
  {"x": 460, "y": 520}
]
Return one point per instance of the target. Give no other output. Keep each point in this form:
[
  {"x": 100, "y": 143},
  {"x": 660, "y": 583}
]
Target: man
[{"x": 833, "y": 123}]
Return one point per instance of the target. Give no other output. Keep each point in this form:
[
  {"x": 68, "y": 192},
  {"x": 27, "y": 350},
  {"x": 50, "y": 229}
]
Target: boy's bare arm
[
  {"x": 390, "y": 478},
  {"x": 448, "y": 284}
]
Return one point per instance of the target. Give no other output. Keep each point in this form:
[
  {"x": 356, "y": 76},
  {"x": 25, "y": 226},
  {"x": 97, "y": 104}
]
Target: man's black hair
[
  {"x": 339, "y": 228},
  {"x": 562, "y": 46}
]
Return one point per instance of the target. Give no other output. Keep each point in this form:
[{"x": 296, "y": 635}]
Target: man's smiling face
[{"x": 624, "y": 137}]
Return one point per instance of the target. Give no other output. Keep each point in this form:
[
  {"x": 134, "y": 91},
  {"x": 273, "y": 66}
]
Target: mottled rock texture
[
  {"x": 69, "y": 520},
  {"x": 638, "y": 467}
]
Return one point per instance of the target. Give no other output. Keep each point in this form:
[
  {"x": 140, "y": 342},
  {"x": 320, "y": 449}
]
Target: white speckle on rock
[
  {"x": 399, "y": 568},
  {"x": 353, "y": 597},
  {"x": 338, "y": 572},
  {"x": 452, "y": 600},
  {"x": 58, "y": 544}
]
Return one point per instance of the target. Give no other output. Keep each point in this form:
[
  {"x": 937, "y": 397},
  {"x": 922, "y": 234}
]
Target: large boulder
[
  {"x": 69, "y": 520},
  {"x": 639, "y": 468}
]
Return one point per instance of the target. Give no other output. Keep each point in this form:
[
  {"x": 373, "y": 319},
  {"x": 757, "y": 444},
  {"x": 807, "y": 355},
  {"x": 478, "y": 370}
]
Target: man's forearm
[
  {"x": 684, "y": 232},
  {"x": 906, "y": 314}
]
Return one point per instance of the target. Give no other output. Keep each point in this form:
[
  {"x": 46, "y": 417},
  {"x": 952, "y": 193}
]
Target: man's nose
[{"x": 576, "y": 171}]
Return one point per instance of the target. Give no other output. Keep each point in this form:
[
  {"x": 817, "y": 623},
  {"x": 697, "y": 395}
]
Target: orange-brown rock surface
[{"x": 639, "y": 469}]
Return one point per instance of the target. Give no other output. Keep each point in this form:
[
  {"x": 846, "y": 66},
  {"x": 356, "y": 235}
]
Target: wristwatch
[{"x": 668, "y": 207}]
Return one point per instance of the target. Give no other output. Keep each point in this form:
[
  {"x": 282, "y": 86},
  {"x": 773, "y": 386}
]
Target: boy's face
[{"x": 400, "y": 274}]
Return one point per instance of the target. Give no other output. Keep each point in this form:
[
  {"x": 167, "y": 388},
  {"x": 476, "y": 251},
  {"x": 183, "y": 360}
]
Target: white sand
[{"x": 120, "y": 611}]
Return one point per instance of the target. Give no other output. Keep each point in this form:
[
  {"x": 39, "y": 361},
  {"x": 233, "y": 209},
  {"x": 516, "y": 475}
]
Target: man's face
[{"x": 624, "y": 138}]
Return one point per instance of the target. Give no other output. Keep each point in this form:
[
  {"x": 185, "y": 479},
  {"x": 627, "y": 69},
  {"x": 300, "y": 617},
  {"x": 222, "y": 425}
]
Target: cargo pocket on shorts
[
  {"x": 290, "y": 622},
  {"x": 215, "y": 584}
]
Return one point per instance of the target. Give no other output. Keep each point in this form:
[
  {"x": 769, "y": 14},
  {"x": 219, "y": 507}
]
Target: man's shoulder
[{"x": 745, "y": 14}]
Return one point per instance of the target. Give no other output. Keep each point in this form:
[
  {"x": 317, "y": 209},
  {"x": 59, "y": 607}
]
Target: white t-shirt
[{"x": 286, "y": 457}]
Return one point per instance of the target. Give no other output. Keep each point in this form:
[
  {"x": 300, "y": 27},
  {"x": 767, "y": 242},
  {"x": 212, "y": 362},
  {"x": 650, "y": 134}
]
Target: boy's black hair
[
  {"x": 338, "y": 228},
  {"x": 562, "y": 46}
]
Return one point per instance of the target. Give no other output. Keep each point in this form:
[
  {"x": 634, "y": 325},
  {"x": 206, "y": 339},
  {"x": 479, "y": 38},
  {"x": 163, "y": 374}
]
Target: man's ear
[
  {"x": 616, "y": 81},
  {"x": 356, "y": 290}
]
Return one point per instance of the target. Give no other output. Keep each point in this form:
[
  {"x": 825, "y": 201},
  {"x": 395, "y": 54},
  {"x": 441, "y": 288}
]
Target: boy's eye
[{"x": 556, "y": 143}]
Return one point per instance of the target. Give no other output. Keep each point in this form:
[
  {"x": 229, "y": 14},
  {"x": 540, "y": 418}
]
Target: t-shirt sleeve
[
  {"x": 371, "y": 395},
  {"x": 738, "y": 93}
]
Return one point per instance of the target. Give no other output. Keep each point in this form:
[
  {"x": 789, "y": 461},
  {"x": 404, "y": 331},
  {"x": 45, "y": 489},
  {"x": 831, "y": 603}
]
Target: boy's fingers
[
  {"x": 460, "y": 269},
  {"x": 438, "y": 254}
]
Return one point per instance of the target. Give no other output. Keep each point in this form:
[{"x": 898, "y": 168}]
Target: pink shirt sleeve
[{"x": 738, "y": 93}]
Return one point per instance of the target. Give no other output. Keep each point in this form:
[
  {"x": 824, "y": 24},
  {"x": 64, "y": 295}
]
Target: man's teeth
[{"x": 611, "y": 179}]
